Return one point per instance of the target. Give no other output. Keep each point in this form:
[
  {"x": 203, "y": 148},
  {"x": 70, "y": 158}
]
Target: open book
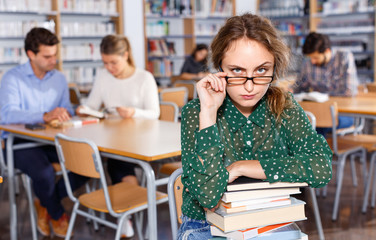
[
  {"x": 311, "y": 96},
  {"x": 91, "y": 112}
]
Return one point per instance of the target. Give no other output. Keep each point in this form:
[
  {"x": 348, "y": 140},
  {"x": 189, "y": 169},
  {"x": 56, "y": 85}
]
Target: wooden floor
[{"x": 351, "y": 223}]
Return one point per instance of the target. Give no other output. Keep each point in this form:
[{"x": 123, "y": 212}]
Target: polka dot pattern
[{"x": 289, "y": 151}]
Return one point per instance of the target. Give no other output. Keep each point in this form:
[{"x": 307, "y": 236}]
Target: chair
[
  {"x": 175, "y": 200},
  {"x": 169, "y": 111},
  {"x": 190, "y": 85},
  {"x": 178, "y": 95},
  {"x": 326, "y": 114},
  {"x": 120, "y": 200}
]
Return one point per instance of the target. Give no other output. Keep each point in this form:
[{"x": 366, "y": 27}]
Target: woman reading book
[
  {"x": 124, "y": 90},
  {"x": 244, "y": 125}
]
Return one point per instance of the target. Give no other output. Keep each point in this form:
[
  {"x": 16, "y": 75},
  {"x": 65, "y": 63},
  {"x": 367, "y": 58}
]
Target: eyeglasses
[{"x": 262, "y": 80}]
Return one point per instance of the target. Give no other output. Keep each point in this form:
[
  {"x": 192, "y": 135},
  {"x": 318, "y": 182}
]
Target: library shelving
[
  {"x": 349, "y": 24},
  {"x": 173, "y": 28},
  {"x": 79, "y": 24}
]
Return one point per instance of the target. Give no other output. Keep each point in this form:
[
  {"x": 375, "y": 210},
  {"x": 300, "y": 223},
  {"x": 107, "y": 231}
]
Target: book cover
[
  {"x": 274, "y": 203},
  {"x": 245, "y": 233},
  {"x": 255, "y": 218},
  {"x": 257, "y": 194},
  {"x": 254, "y": 201},
  {"x": 291, "y": 231},
  {"x": 246, "y": 183}
]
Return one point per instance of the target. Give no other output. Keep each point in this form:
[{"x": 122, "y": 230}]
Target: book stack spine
[{"x": 250, "y": 212}]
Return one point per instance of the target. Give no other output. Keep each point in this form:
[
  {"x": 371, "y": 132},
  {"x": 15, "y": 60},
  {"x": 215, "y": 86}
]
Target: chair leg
[
  {"x": 316, "y": 211},
  {"x": 340, "y": 169},
  {"x": 353, "y": 171},
  {"x": 72, "y": 220},
  {"x": 369, "y": 181},
  {"x": 373, "y": 191},
  {"x": 27, "y": 185},
  {"x": 138, "y": 222},
  {"x": 121, "y": 220}
]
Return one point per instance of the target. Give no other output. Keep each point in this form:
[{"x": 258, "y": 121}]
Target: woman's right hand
[{"x": 211, "y": 91}]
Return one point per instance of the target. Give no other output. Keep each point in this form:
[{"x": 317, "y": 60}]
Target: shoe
[
  {"x": 60, "y": 226},
  {"x": 42, "y": 219},
  {"x": 127, "y": 229}
]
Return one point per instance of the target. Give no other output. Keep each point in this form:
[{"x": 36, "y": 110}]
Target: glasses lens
[
  {"x": 236, "y": 80},
  {"x": 262, "y": 80}
]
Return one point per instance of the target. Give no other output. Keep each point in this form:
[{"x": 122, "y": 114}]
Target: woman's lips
[{"x": 248, "y": 97}]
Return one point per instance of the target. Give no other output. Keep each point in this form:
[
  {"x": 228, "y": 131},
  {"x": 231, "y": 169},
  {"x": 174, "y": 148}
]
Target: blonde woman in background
[{"x": 127, "y": 91}]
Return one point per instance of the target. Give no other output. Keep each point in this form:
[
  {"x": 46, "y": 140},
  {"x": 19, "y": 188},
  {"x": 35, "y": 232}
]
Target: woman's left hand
[
  {"x": 125, "y": 112},
  {"x": 248, "y": 168}
]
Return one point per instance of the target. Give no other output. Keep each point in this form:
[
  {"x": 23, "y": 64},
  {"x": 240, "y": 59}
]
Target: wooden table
[
  {"x": 360, "y": 106},
  {"x": 138, "y": 141}
]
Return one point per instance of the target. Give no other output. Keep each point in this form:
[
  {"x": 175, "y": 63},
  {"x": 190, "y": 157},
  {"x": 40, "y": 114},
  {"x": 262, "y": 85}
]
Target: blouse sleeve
[
  {"x": 309, "y": 158},
  {"x": 207, "y": 180}
]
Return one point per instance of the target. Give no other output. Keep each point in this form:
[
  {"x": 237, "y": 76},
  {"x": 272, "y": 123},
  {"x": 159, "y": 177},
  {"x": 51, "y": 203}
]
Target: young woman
[
  {"x": 243, "y": 125},
  {"x": 195, "y": 66},
  {"x": 125, "y": 90}
]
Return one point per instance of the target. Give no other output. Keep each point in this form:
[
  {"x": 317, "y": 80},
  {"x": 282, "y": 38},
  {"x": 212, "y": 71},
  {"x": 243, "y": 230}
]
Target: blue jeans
[
  {"x": 192, "y": 229},
  {"x": 343, "y": 122}
]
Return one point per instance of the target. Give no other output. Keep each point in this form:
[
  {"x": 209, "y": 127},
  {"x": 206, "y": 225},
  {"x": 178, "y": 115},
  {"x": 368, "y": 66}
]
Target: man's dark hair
[
  {"x": 316, "y": 42},
  {"x": 39, "y": 36}
]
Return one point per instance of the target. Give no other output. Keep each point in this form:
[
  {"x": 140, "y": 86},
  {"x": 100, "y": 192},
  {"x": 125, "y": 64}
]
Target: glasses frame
[{"x": 248, "y": 78}]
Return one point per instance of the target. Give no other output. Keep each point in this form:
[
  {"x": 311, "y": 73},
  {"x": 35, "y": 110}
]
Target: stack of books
[{"x": 255, "y": 209}]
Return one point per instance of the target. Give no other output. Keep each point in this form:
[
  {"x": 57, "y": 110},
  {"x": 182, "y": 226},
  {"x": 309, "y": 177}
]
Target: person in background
[
  {"x": 243, "y": 125},
  {"x": 127, "y": 91},
  {"x": 327, "y": 72},
  {"x": 195, "y": 66},
  {"x": 35, "y": 92}
]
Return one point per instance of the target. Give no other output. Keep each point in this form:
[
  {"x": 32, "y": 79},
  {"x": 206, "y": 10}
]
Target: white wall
[
  {"x": 243, "y": 6},
  {"x": 134, "y": 29}
]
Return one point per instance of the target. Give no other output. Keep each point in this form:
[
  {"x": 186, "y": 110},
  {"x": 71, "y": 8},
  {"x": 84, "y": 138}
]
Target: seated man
[
  {"x": 327, "y": 72},
  {"x": 35, "y": 92}
]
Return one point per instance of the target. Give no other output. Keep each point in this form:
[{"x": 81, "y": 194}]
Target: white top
[{"x": 139, "y": 91}]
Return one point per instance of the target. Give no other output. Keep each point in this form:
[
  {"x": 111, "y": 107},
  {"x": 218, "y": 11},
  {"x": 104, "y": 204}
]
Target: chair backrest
[
  {"x": 190, "y": 85},
  {"x": 311, "y": 118},
  {"x": 81, "y": 157},
  {"x": 74, "y": 95},
  {"x": 169, "y": 111},
  {"x": 175, "y": 200},
  {"x": 371, "y": 87},
  {"x": 178, "y": 95},
  {"x": 322, "y": 112},
  {"x": 326, "y": 114}
]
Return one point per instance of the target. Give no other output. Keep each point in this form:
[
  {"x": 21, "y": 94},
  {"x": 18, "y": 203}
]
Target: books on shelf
[
  {"x": 311, "y": 96},
  {"x": 245, "y": 183},
  {"x": 246, "y": 233},
  {"x": 257, "y": 194},
  {"x": 242, "y": 206},
  {"x": 260, "y": 217}
]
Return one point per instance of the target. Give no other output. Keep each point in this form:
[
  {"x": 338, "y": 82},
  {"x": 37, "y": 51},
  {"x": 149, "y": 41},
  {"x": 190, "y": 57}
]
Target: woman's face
[
  {"x": 201, "y": 55},
  {"x": 247, "y": 58},
  {"x": 115, "y": 64}
]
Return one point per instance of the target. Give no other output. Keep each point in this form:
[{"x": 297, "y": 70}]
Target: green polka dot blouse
[{"x": 289, "y": 151}]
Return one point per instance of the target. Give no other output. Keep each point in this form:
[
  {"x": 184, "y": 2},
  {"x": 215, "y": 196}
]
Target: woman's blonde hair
[
  {"x": 259, "y": 29},
  {"x": 118, "y": 45}
]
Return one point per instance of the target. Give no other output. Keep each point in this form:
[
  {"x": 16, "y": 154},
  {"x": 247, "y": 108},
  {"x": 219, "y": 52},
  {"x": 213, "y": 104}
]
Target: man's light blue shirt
[{"x": 24, "y": 98}]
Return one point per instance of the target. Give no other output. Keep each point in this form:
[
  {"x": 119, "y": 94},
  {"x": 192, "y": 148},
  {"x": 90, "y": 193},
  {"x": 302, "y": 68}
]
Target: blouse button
[
  {"x": 249, "y": 143},
  {"x": 249, "y": 121},
  {"x": 275, "y": 177}
]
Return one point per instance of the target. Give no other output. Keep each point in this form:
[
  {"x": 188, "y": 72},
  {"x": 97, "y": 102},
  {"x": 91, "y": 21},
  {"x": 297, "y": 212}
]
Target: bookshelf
[
  {"x": 79, "y": 24},
  {"x": 173, "y": 28},
  {"x": 350, "y": 25}
]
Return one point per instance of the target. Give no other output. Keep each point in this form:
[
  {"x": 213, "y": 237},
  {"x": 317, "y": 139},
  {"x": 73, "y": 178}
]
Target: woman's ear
[{"x": 126, "y": 54}]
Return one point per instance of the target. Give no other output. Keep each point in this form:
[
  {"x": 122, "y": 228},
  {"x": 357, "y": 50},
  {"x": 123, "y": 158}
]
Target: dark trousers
[
  {"x": 119, "y": 169},
  {"x": 343, "y": 122},
  {"x": 36, "y": 163}
]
